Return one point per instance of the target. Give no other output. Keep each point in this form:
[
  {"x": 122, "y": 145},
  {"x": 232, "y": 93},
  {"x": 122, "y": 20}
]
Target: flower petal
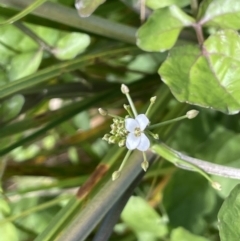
[
  {"x": 132, "y": 141},
  {"x": 143, "y": 121},
  {"x": 131, "y": 124},
  {"x": 144, "y": 143}
]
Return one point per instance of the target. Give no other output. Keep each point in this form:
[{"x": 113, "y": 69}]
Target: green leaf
[
  {"x": 155, "y": 4},
  {"x": 228, "y": 216},
  {"x": 181, "y": 234},
  {"x": 8, "y": 228},
  {"x": 11, "y": 107},
  {"x": 87, "y": 7},
  {"x": 156, "y": 35},
  {"x": 69, "y": 46},
  {"x": 143, "y": 219},
  {"x": 9, "y": 232},
  {"x": 187, "y": 203},
  {"x": 191, "y": 73},
  {"x": 220, "y": 13},
  {"x": 24, "y": 64}
]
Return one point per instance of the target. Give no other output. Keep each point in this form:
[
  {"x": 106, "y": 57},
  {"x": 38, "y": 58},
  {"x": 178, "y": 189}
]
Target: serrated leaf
[
  {"x": 87, "y": 7},
  {"x": 208, "y": 78},
  {"x": 151, "y": 224},
  {"x": 220, "y": 13},
  {"x": 161, "y": 30},
  {"x": 155, "y": 4},
  {"x": 181, "y": 234},
  {"x": 70, "y": 45},
  {"x": 229, "y": 213},
  {"x": 24, "y": 64}
]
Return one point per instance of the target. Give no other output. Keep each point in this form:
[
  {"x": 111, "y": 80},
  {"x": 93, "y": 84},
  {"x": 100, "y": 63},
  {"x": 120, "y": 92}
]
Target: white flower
[{"x": 136, "y": 139}]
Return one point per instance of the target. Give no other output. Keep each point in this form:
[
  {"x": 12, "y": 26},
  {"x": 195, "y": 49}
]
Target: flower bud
[
  {"x": 192, "y": 114},
  {"x": 122, "y": 143},
  {"x": 113, "y": 126},
  {"x": 145, "y": 165},
  {"x": 116, "y": 175},
  {"x": 216, "y": 186},
  {"x": 124, "y": 89},
  {"x": 126, "y": 107},
  {"x": 113, "y": 132},
  {"x": 115, "y": 120},
  {"x": 153, "y": 99},
  {"x": 155, "y": 136},
  {"x": 112, "y": 139},
  {"x": 106, "y": 137},
  {"x": 102, "y": 112}
]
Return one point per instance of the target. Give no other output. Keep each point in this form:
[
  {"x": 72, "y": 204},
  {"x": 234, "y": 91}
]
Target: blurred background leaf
[{"x": 57, "y": 69}]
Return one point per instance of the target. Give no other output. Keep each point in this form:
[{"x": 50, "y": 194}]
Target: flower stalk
[
  {"x": 189, "y": 115},
  {"x": 125, "y": 91}
]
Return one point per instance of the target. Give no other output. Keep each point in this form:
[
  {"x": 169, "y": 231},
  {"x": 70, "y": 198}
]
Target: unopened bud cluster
[{"x": 117, "y": 134}]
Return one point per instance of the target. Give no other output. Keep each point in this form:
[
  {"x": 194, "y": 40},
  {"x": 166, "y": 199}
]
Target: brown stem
[{"x": 198, "y": 29}]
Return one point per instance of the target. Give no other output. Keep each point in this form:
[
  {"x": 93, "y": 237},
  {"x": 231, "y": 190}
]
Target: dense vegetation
[{"x": 60, "y": 62}]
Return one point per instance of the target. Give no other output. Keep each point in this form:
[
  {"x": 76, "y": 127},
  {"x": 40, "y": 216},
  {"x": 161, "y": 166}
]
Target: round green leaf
[
  {"x": 11, "y": 107},
  {"x": 229, "y": 217},
  {"x": 208, "y": 78},
  {"x": 161, "y": 30},
  {"x": 24, "y": 64},
  {"x": 71, "y": 45},
  {"x": 7, "y": 229},
  {"x": 151, "y": 224},
  {"x": 155, "y": 4},
  {"x": 220, "y": 13},
  {"x": 181, "y": 234}
]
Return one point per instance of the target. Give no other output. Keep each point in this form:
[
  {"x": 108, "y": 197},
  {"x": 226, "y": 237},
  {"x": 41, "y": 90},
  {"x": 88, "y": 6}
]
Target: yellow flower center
[{"x": 137, "y": 132}]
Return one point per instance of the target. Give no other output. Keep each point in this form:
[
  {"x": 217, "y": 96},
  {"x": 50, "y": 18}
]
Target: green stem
[
  {"x": 167, "y": 122},
  {"x": 23, "y": 13},
  {"x": 43, "y": 44},
  {"x": 173, "y": 157},
  {"x": 124, "y": 160},
  {"x": 149, "y": 108},
  {"x": 61, "y": 14},
  {"x": 115, "y": 116},
  {"x": 34, "y": 209},
  {"x": 132, "y": 105}
]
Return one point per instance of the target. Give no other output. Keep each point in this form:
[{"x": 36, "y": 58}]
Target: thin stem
[
  {"x": 152, "y": 101},
  {"x": 167, "y": 122},
  {"x": 194, "y": 7},
  {"x": 129, "y": 111},
  {"x": 198, "y": 29},
  {"x": 142, "y": 11},
  {"x": 124, "y": 160},
  {"x": 132, "y": 105},
  {"x": 144, "y": 156},
  {"x": 34, "y": 36},
  {"x": 34, "y": 209},
  {"x": 115, "y": 116},
  {"x": 24, "y": 12}
]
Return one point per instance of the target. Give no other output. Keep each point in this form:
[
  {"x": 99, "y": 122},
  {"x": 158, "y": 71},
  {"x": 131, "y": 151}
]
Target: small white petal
[
  {"x": 132, "y": 141},
  {"x": 144, "y": 143},
  {"x": 131, "y": 124},
  {"x": 143, "y": 121}
]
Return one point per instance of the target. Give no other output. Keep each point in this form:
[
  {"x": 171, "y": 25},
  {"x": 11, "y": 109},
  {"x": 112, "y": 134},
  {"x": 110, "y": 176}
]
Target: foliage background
[{"x": 56, "y": 70}]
